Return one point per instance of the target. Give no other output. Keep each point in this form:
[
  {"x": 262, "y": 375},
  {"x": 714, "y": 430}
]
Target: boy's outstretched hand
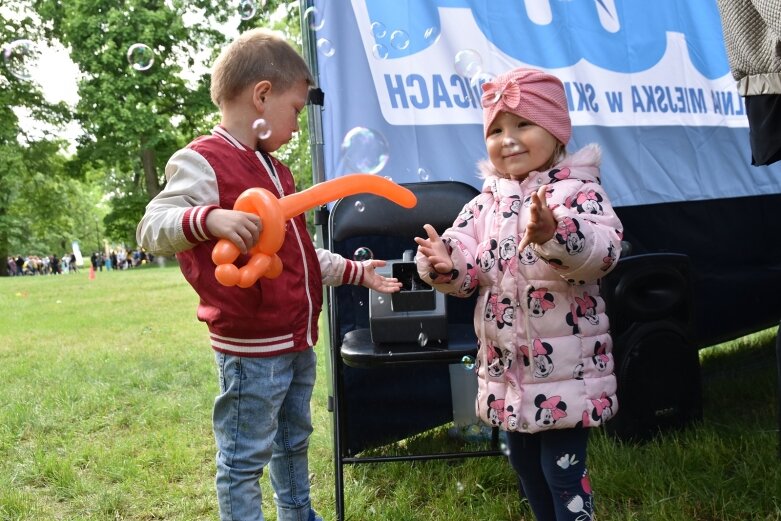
[
  {"x": 241, "y": 228},
  {"x": 542, "y": 224},
  {"x": 375, "y": 281},
  {"x": 435, "y": 250}
]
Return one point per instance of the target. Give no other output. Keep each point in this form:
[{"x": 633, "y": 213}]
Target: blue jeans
[
  {"x": 262, "y": 417},
  {"x": 551, "y": 466}
]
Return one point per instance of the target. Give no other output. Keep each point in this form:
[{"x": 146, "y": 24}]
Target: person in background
[
  {"x": 534, "y": 244},
  {"x": 263, "y": 336},
  {"x": 752, "y": 33}
]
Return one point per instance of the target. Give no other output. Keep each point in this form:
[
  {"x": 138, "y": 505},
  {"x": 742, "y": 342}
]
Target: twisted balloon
[{"x": 274, "y": 212}]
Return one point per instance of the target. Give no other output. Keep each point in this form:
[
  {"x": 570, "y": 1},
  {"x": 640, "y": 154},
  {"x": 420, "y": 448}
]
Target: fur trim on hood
[{"x": 588, "y": 156}]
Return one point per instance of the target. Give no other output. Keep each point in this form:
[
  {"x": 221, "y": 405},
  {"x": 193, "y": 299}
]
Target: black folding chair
[{"x": 381, "y": 393}]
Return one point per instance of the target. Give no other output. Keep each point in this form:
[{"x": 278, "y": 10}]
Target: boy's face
[{"x": 281, "y": 110}]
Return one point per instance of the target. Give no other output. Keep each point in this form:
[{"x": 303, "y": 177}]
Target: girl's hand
[
  {"x": 241, "y": 228},
  {"x": 542, "y": 224},
  {"x": 375, "y": 281},
  {"x": 435, "y": 250}
]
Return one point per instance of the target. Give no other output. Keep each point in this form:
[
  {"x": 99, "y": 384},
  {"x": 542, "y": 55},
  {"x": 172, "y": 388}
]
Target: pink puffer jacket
[{"x": 545, "y": 358}]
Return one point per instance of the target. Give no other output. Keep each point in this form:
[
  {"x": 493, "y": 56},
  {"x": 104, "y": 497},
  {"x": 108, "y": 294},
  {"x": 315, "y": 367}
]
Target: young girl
[{"x": 536, "y": 241}]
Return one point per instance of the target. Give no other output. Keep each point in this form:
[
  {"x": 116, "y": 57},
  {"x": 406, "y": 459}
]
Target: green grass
[{"x": 106, "y": 388}]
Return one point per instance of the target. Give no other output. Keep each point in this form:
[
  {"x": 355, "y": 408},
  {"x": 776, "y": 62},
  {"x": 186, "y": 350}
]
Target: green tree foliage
[
  {"x": 32, "y": 178},
  {"x": 133, "y": 120}
]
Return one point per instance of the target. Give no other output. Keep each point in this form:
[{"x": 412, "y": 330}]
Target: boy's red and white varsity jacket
[{"x": 274, "y": 315}]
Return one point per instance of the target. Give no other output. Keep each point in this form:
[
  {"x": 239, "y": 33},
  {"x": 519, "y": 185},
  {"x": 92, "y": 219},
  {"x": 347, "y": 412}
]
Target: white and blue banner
[{"x": 648, "y": 81}]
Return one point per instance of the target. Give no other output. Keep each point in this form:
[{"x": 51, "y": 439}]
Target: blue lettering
[
  {"x": 396, "y": 91},
  {"x": 440, "y": 92},
  {"x": 697, "y": 100},
  {"x": 615, "y": 101},
  {"x": 651, "y": 103},
  {"x": 568, "y": 90},
  {"x": 681, "y": 98},
  {"x": 585, "y": 94},
  {"x": 461, "y": 101},
  {"x": 637, "y": 103},
  {"x": 660, "y": 100},
  {"x": 726, "y": 103},
  {"x": 716, "y": 102},
  {"x": 422, "y": 101},
  {"x": 477, "y": 94}
]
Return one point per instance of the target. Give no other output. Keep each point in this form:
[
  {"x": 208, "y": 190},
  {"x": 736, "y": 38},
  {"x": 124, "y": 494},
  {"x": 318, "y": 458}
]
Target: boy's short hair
[{"x": 256, "y": 55}]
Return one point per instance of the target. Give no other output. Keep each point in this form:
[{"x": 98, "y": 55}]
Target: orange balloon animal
[{"x": 275, "y": 212}]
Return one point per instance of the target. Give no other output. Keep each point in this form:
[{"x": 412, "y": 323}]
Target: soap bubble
[
  {"x": 140, "y": 56},
  {"x": 360, "y": 206},
  {"x": 481, "y": 77},
  {"x": 422, "y": 339},
  {"x": 380, "y": 300},
  {"x": 364, "y": 150},
  {"x": 399, "y": 39},
  {"x": 314, "y": 18},
  {"x": 468, "y": 362},
  {"x": 379, "y": 30},
  {"x": 247, "y": 9},
  {"x": 468, "y": 62},
  {"x": 431, "y": 35},
  {"x": 379, "y": 51},
  {"x": 261, "y": 128},
  {"x": 325, "y": 47},
  {"x": 20, "y": 57},
  {"x": 423, "y": 174},
  {"x": 362, "y": 254}
]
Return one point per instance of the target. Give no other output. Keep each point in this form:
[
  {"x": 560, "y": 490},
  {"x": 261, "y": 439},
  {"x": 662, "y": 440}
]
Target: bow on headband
[{"x": 509, "y": 93}]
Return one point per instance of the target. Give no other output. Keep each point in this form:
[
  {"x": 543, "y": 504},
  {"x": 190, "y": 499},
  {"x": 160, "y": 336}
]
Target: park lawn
[{"x": 106, "y": 388}]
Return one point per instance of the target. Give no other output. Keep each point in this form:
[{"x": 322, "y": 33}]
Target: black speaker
[{"x": 649, "y": 303}]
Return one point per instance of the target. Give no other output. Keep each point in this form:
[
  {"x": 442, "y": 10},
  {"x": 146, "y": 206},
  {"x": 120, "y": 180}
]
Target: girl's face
[{"x": 517, "y": 146}]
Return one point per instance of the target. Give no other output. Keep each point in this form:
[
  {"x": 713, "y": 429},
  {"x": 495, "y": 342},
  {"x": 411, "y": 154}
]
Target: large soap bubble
[
  {"x": 140, "y": 56},
  {"x": 20, "y": 58},
  {"x": 364, "y": 150}
]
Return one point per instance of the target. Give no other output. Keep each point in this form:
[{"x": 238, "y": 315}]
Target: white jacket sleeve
[
  {"x": 175, "y": 220},
  {"x": 336, "y": 270}
]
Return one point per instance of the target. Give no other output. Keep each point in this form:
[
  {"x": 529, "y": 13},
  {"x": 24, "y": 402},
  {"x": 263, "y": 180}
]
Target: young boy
[{"x": 262, "y": 335}]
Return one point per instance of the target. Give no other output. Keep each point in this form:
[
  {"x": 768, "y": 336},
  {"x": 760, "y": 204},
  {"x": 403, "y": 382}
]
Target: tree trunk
[{"x": 150, "y": 172}]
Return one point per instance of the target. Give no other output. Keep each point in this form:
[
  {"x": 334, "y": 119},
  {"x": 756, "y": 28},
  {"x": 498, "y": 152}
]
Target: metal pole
[{"x": 314, "y": 112}]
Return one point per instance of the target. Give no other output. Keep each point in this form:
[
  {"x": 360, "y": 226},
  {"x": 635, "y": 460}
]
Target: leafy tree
[
  {"x": 133, "y": 120},
  {"x": 20, "y": 154}
]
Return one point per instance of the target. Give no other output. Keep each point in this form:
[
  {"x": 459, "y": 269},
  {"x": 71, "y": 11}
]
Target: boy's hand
[
  {"x": 375, "y": 281},
  {"x": 542, "y": 224},
  {"x": 435, "y": 250},
  {"x": 241, "y": 228}
]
